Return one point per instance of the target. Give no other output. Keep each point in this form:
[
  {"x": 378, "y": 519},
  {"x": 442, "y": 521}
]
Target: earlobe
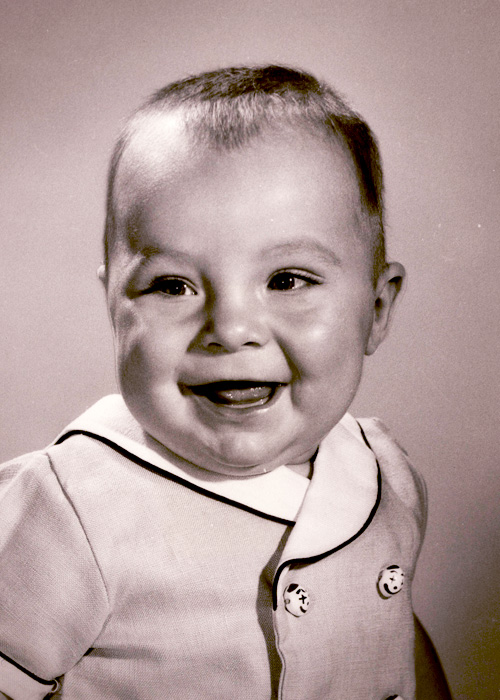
[
  {"x": 388, "y": 287},
  {"x": 101, "y": 273}
]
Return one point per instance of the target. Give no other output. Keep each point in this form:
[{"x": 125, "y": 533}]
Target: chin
[{"x": 238, "y": 456}]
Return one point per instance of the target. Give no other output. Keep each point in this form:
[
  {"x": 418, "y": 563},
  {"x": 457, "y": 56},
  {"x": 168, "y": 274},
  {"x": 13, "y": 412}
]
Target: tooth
[
  {"x": 254, "y": 393},
  {"x": 235, "y": 393}
]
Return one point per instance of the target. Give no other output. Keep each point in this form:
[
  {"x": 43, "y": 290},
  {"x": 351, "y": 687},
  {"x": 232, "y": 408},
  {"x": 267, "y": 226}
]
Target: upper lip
[{"x": 232, "y": 383}]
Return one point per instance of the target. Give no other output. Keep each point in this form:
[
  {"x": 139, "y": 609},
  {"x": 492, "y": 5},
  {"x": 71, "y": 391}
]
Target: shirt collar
[
  {"x": 327, "y": 510},
  {"x": 342, "y": 497}
]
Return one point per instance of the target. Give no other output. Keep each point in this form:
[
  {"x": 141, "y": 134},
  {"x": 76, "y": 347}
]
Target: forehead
[{"x": 281, "y": 179}]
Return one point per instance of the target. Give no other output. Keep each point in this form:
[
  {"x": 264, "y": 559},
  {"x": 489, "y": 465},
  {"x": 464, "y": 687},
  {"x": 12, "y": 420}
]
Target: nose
[{"x": 233, "y": 322}]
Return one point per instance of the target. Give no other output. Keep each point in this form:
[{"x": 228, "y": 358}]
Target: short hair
[{"x": 227, "y": 108}]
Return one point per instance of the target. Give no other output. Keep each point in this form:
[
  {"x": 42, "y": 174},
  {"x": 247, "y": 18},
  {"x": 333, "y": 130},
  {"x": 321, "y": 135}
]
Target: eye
[
  {"x": 171, "y": 286},
  {"x": 288, "y": 281}
]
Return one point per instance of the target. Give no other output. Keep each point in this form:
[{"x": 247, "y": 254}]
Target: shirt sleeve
[
  {"x": 404, "y": 478},
  {"x": 53, "y": 601},
  {"x": 18, "y": 685}
]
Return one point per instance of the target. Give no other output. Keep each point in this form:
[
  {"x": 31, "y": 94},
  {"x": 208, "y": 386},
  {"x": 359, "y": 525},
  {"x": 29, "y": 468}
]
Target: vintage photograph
[{"x": 250, "y": 323}]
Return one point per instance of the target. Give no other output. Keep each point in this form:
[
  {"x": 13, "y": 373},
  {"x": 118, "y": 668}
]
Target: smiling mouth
[{"x": 237, "y": 394}]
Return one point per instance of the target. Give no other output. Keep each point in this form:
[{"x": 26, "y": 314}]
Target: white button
[
  {"x": 296, "y": 599},
  {"x": 394, "y": 697},
  {"x": 390, "y": 581}
]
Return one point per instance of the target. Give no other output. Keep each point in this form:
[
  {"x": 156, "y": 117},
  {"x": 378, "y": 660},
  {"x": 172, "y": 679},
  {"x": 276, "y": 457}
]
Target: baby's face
[{"x": 242, "y": 302}]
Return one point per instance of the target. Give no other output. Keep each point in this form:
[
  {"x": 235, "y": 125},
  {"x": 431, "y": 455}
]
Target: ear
[
  {"x": 388, "y": 287},
  {"x": 102, "y": 273}
]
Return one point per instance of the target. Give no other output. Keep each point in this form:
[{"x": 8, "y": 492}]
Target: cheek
[
  {"x": 326, "y": 351},
  {"x": 143, "y": 350},
  {"x": 323, "y": 344}
]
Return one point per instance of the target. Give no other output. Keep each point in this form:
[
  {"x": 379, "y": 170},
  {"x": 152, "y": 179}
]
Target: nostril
[
  {"x": 232, "y": 328},
  {"x": 215, "y": 346}
]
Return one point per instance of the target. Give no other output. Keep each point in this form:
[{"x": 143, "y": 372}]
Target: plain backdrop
[{"x": 426, "y": 76}]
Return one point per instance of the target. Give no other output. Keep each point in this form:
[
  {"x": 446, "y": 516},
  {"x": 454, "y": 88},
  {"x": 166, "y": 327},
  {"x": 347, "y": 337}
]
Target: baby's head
[{"x": 245, "y": 265}]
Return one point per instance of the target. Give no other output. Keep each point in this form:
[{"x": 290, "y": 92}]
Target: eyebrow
[
  {"x": 307, "y": 246},
  {"x": 149, "y": 252},
  {"x": 304, "y": 246}
]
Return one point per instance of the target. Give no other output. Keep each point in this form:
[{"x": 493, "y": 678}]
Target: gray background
[{"x": 425, "y": 75}]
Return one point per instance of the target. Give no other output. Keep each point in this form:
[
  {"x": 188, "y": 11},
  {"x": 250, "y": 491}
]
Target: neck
[{"x": 304, "y": 469}]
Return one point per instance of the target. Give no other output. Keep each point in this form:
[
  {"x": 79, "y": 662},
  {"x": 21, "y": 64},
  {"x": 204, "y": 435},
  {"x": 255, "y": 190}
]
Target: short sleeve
[
  {"x": 406, "y": 481},
  {"x": 53, "y": 601},
  {"x": 18, "y": 685}
]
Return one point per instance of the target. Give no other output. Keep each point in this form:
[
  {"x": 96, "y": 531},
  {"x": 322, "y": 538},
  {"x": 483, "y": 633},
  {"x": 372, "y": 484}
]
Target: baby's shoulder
[
  {"x": 26, "y": 476},
  {"x": 395, "y": 464},
  {"x": 42, "y": 539}
]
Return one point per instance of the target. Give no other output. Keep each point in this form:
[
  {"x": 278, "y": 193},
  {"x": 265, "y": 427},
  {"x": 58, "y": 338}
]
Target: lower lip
[{"x": 243, "y": 408}]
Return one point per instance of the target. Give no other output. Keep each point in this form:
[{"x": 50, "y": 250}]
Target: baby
[{"x": 225, "y": 529}]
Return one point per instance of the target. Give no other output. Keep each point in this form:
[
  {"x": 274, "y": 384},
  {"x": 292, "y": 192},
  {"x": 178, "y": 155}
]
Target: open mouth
[{"x": 237, "y": 394}]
